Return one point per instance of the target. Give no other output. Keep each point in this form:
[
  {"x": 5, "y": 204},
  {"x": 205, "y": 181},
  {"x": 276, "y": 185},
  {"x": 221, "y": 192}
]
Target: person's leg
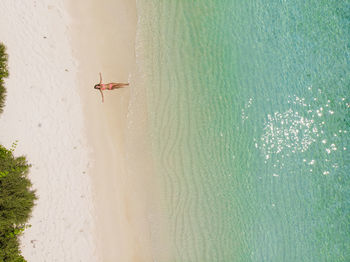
[{"x": 119, "y": 85}]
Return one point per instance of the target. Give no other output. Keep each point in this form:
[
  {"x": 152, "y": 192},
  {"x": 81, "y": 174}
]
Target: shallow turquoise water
[{"x": 249, "y": 108}]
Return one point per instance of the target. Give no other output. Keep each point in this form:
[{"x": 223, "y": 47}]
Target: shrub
[
  {"x": 16, "y": 203},
  {"x": 3, "y": 74}
]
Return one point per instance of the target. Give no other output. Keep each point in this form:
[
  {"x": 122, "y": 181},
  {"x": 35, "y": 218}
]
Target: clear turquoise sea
[{"x": 249, "y": 110}]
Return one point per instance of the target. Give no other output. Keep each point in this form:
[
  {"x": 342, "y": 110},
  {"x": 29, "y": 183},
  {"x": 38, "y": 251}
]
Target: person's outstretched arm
[
  {"x": 102, "y": 95},
  {"x": 100, "y": 78}
]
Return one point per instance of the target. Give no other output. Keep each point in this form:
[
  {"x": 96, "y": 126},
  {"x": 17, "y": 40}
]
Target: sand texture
[
  {"x": 104, "y": 41},
  {"x": 91, "y": 206},
  {"x": 44, "y": 113}
]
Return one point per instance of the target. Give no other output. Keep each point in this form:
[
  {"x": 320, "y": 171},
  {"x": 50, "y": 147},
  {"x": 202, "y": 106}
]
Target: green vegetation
[
  {"x": 16, "y": 203},
  {"x": 3, "y": 74},
  {"x": 16, "y": 196}
]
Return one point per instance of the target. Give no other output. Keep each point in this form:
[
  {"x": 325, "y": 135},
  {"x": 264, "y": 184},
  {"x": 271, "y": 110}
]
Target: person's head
[{"x": 97, "y": 86}]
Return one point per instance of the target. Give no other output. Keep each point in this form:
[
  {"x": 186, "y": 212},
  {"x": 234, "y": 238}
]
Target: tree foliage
[
  {"x": 16, "y": 203},
  {"x": 3, "y": 74}
]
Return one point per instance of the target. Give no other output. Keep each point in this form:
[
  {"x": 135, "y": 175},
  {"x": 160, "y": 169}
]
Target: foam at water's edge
[{"x": 139, "y": 150}]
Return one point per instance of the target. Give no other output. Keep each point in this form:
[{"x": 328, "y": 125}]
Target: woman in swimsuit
[{"x": 109, "y": 86}]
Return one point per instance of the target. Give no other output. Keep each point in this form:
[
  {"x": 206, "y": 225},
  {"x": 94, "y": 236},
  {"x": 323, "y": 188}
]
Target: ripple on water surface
[{"x": 249, "y": 107}]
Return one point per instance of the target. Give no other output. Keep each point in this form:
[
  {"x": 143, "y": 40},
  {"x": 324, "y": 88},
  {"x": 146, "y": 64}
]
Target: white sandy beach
[
  {"x": 86, "y": 209},
  {"x": 43, "y": 112}
]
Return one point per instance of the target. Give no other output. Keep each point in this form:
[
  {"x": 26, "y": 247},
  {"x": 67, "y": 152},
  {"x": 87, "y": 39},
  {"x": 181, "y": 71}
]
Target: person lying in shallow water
[{"x": 109, "y": 86}]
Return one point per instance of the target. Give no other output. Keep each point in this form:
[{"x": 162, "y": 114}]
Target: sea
[{"x": 248, "y": 112}]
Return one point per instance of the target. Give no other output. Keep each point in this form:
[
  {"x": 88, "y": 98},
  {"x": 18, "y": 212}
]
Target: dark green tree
[
  {"x": 16, "y": 203},
  {"x": 3, "y": 74}
]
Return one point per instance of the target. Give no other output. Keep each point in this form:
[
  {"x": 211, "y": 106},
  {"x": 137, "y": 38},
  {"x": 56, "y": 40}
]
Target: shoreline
[
  {"x": 92, "y": 205},
  {"x": 103, "y": 36}
]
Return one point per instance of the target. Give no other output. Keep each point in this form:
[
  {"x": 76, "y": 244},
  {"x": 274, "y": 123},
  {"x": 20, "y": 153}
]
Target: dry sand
[
  {"x": 44, "y": 113},
  {"x": 89, "y": 209}
]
